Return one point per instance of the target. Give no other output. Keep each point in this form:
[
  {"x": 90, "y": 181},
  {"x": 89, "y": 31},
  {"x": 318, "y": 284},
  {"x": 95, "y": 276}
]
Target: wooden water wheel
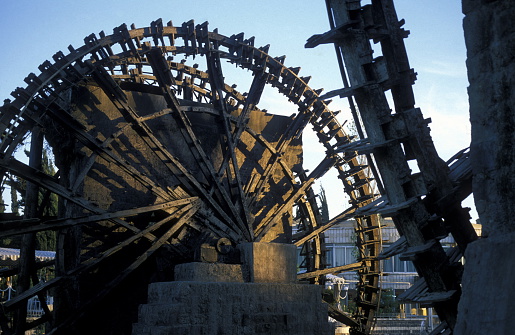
[{"x": 157, "y": 157}]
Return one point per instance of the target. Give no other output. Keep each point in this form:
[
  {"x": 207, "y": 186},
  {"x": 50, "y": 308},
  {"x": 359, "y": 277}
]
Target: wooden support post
[
  {"x": 368, "y": 81},
  {"x": 28, "y": 247}
]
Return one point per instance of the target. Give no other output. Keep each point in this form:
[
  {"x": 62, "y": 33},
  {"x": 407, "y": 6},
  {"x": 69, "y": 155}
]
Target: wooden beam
[
  {"x": 187, "y": 179},
  {"x": 30, "y": 174},
  {"x": 341, "y": 316},
  {"x": 333, "y": 270},
  {"x": 165, "y": 80},
  {"x": 83, "y": 137},
  {"x": 216, "y": 80},
  {"x": 293, "y": 196},
  {"x": 103, "y": 291},
  {"x": 41, "y": 225},
  {"x": 91, "y": 263},
  {"x": 28, "y": 247},
  {"x": 23, "y": 297}
]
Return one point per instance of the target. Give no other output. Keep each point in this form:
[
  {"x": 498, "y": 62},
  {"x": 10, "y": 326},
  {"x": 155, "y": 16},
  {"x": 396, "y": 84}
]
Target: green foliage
[
  {"x": 388, "y": 303},
  {"x": 13, "y": 242},
  {"x": 350, "y": 307},
  {"x": 17, "y": 186},
  {"x": 47, "y": 206}
]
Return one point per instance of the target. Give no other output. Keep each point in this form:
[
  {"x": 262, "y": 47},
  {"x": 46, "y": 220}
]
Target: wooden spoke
[
  {"x": 134, "y": 265},
  {"x": 72, "y": 125},
  {"x": 333, "y": 270},
  {"x": 172, "y": 163},
  {"x": 217, "y": 84},
  {"x": 127, "y": 191},
  {"x": 162, "y": 72},
  {"x": 189, "y": 208},
  {"x": 36, "y": 225},
  {"x": 318, "y": 172}
]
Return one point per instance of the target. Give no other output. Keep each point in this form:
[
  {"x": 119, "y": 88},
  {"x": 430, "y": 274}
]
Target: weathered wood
[
  {"x": 28, "y": 247},
  {"x": 381, "y": 126},
  {"x": 413, "y": 253},
  {"x": 195, "y": 41},
  {"x": 41, "y": 225},
  {"x": 395, "y": 248},
  {"x": 87, "y": 265},
  {"x": 12, "y": 271},
  {"x": 216, "y": 80},
  {"x": 76, "y": 129},
  {"x": 113, "y": 283},
  {"x": 342, "y": 317},
  {"x": 23, "y": 297},
  {"x": 333, "y": 270},
  {"x": 303, "y": 237},
  {"x": 188, "y": 180},
  {"x": 293, "y": 196},
  {"x": 35, "y": 176},
  {"x": 164, "y": 78}
]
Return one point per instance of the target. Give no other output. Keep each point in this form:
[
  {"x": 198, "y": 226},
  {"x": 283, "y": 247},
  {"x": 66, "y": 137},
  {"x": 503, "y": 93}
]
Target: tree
[
  {"x": 388, "y": 303},
  {"x": 47, "y": 204}
]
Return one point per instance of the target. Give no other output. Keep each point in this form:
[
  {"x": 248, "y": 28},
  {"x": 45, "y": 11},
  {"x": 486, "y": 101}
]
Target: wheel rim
[{"x": 136, "y": 61}]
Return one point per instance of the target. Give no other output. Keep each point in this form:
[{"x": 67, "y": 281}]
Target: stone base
[
  {"x": 200, "y": 308},
  {"x": 269, "y": 262},
  {"x": 209, "y": 272},
  {"x": 488, "y": 298}
]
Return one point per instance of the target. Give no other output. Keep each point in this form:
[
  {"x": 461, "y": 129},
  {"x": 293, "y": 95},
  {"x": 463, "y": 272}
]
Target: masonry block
[
  {"x": 269, "y": 262},
  {"x": 209, "y": 272},
  {"x": 218, "y": 308}
]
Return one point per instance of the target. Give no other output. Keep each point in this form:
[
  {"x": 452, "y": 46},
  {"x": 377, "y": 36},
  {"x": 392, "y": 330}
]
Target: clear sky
[{"x": 32, "y": 31}]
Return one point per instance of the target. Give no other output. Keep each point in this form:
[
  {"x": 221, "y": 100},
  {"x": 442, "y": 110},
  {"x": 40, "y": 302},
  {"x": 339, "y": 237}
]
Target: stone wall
[
  {"x": 490, "y": 40},
  {"x": 488, "y": 300}
]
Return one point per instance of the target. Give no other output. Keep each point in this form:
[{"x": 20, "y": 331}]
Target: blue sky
[{"x": 32, "y": 31}]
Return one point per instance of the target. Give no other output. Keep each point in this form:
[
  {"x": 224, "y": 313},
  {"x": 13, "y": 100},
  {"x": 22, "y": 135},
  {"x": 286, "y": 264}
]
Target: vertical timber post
[{"x": 28, "y": 246}]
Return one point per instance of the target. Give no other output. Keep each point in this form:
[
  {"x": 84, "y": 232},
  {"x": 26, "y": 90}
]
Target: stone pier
[
  {"x": 488, "y": 299},
  {"x": 259, "y": 296}
]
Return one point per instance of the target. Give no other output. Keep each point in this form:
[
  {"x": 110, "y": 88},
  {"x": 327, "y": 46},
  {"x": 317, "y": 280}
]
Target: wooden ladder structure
[{"x": 426, "y": 204}]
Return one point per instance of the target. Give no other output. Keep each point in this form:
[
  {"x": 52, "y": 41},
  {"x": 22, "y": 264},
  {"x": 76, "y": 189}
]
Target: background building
[{"x": 397, "y": 275}]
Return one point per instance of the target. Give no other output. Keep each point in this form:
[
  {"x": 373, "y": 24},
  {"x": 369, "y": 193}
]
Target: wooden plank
[
  {"x": 216, "y": 80},
  {"x": 432, "y": 297},
  {"x": 36, "y": 225},
  {"x": 334, "y": 35},
  {"x": 413, "y": 253},
  {"x": 391, "y": 160},
  {"x": 12, "y": 271},
  {"x": 293, "y": 196},
  {"x": 161, "y": 70},
  {"x": 91, "y": 263},
  {"x": 26, "y": 172},
  {"x": 294, "y": 129},
  {"x": 92, "y": 158},
  {"x": 395, "y": 248},
  {"x": 188, "y": 180},
  {"x": 303, "y": 237},
  {"x": 251, "y": 101},
  {"x": 23, "y": 297},
  {"x": 418, "y": 288},
  {"x": 83, "y": 137},
  {"x": 103, "y": 291},
  {"x": 341, "y": 316},
  {"x": 28, "y": 247},
  {"x": 333, "y": 270}
]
